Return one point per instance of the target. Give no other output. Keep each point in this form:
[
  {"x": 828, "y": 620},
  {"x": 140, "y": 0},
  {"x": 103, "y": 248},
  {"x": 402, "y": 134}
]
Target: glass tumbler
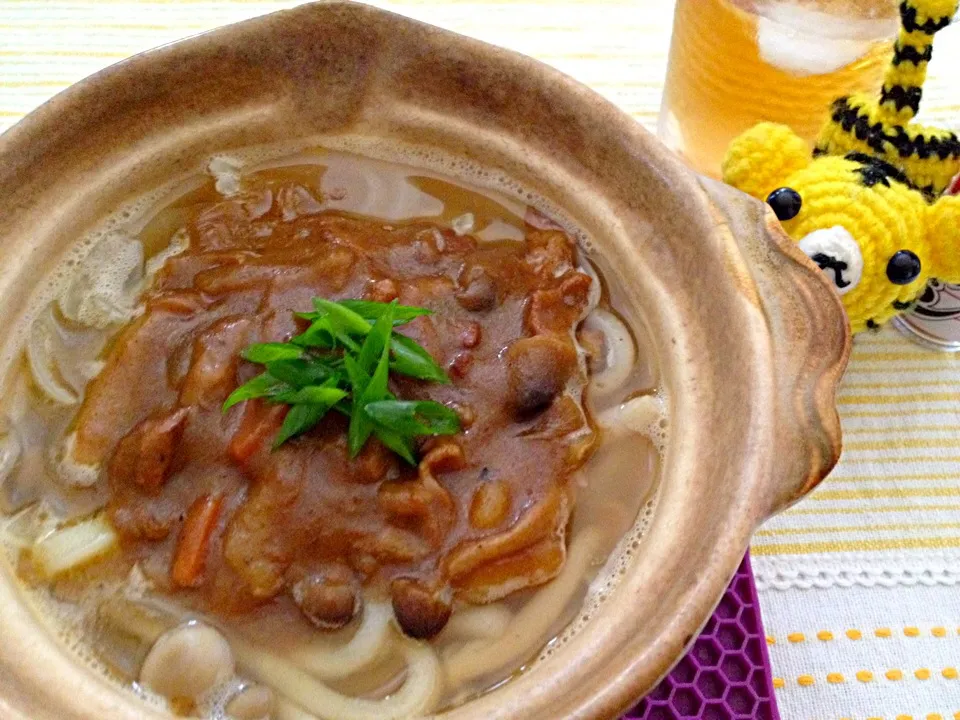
[{"x": 734, "y": 63}]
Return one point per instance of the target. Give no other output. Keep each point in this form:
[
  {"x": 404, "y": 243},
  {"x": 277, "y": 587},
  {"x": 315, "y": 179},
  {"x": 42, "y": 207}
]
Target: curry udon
[{"x": 174, "y": 541}]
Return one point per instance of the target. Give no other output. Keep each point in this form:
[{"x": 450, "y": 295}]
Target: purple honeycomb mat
[{"x": 726, "y": 674}]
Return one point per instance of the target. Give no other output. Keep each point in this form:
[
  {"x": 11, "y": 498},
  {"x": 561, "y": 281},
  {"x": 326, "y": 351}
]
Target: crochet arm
[{"x": 903, "y": 83}]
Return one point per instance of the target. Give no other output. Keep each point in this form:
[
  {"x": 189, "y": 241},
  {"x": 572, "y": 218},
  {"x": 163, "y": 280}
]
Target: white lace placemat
[{"x": 858, "y": 581}]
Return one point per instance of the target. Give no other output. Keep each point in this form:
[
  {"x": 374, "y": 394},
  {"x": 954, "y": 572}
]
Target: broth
[{"x": 109, "y": 605}]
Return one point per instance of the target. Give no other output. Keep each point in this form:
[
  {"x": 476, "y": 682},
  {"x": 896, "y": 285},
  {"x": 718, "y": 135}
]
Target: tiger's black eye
[
  {"x": 903, "y": 268},
  {"x": 786, "y": 203}
]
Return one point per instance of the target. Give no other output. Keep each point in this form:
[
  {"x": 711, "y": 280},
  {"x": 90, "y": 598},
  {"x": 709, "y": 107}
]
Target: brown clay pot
[{"x": 750, "y": 338}]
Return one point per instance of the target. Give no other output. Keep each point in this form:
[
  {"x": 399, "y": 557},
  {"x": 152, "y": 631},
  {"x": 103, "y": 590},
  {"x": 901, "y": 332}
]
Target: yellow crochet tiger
[{"x": 867, "y": 205}]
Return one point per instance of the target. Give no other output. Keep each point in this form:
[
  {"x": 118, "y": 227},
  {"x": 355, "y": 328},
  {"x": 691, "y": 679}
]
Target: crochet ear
[
  {"x": 760, "y": 160},
  {"x": 943, "y": 237}
]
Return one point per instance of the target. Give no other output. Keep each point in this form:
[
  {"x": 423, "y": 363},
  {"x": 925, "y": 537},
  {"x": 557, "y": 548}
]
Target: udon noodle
[{"x": 64, "y": 544}]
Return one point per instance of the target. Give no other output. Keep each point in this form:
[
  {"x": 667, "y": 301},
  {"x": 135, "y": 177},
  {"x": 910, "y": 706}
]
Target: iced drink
[{"x": 734, "y": 63}]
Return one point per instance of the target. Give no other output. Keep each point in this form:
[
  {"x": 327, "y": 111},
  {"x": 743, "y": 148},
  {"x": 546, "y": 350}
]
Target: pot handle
[{"x": 810, "y": 344}]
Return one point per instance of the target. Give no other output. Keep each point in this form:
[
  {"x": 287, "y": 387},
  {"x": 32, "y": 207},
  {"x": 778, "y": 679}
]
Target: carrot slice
[
  {"x": 190, "y": 558},
  {"x": 259, "y": 424}
]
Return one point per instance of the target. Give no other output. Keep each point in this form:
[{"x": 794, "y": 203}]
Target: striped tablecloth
[{"x": 858, "y": 582}]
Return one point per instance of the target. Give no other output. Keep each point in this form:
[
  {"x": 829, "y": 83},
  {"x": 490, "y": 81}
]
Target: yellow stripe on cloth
[
  {"x": 858, "y": 528},
  {"x": 826, "y": 546}
]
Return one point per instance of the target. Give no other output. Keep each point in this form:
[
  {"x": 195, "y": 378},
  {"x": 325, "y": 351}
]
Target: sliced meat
[
  {"x": 252, "y": 546},
  {"x": 496, "y": 565},
  {"x": 383, "y": 291},
  {"x": 490, "y": 505},
  {"x": 145, "y": 456},
  {"x": 530, "y": 567},
  {"x": 554, "y": 311},
  {"x": 424, "y": 504},
  {"x": 213, "y": 369},
  {"x": 479, "y": 291},
  {"x": 133, "y": 385}
]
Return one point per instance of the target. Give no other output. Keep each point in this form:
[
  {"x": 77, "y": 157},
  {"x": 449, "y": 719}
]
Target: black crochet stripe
[
  {"x": 880, "y": 139},
  {"x": 923, "y": 148},
  {"x": 851, "y": 121},
  {"x": 876, "y": 137},
  {"x": 876, "y": 171},
  {"x": 908, "y": 53},
  {"x": 908, "y": 14},
  {"x": 902, "y": 97}
]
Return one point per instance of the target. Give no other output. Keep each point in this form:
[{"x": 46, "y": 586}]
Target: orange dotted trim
[
  {"x": 931, "y": 716},
  {"x": 854, "y": 634},
  {"x": 866, "y": 676}
]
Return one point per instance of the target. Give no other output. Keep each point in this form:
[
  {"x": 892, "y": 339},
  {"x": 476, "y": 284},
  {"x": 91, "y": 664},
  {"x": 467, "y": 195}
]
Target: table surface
[{"x": 857, "y": 582}]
